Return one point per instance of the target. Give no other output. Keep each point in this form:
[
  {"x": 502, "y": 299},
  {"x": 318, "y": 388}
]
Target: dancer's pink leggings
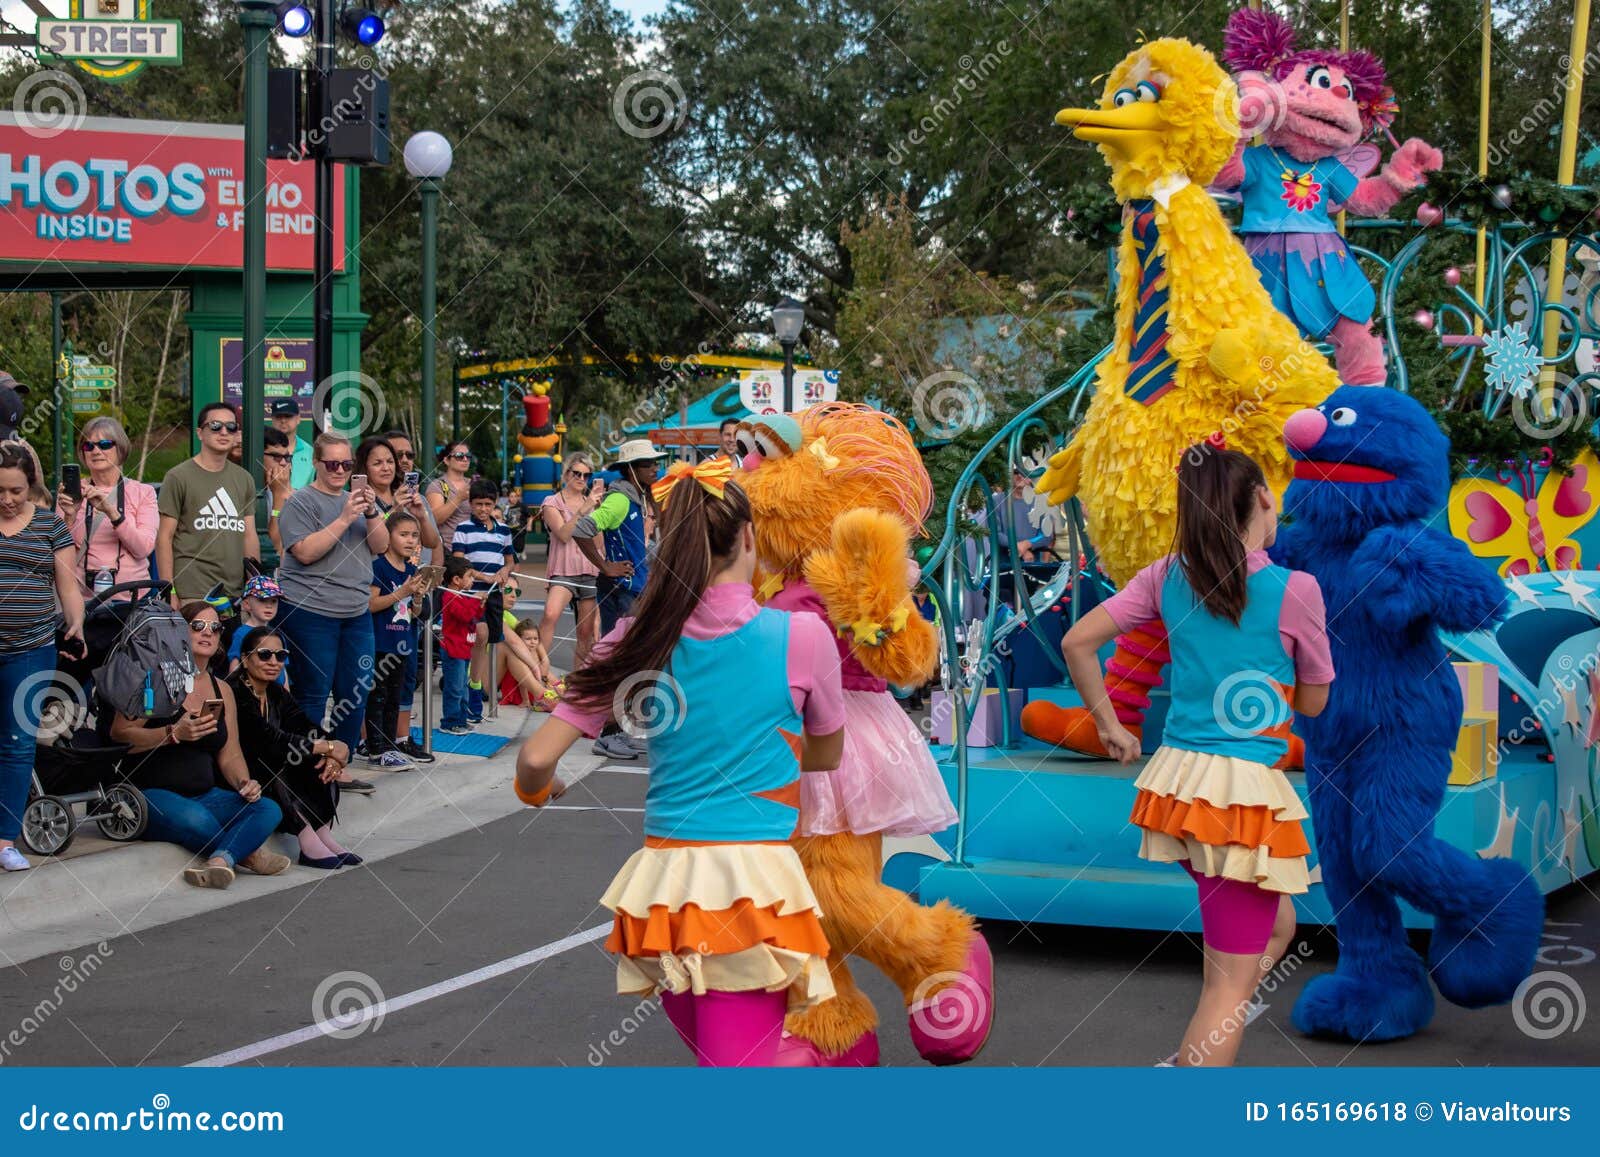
[
  {"x": 1235, "y": 917},
  {"x": 729, "y": 1029}
]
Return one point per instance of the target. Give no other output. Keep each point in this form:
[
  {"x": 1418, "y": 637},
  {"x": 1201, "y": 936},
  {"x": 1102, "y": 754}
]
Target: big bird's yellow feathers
[{"x": 1241, "y": 365}]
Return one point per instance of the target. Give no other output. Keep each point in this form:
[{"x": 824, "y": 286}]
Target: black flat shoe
[
  {"x": 325, "y": 862},
  {"x": 349, "y": 859}
]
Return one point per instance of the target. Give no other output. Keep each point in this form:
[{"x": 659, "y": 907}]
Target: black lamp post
[{"x": 788, "y": 319}]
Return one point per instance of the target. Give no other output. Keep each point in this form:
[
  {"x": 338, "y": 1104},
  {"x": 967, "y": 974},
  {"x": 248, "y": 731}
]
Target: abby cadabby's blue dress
[{"x": 1287, "y": 229}]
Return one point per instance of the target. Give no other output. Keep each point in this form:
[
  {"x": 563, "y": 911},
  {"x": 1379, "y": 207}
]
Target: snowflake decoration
[{"x": 1513, "y": 362}]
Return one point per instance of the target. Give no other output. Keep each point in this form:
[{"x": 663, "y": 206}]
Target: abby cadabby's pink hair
[{"x": 1260, "y": 41}]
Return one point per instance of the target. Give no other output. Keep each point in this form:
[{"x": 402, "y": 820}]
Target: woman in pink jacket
[{"x": 114, "y": 522}]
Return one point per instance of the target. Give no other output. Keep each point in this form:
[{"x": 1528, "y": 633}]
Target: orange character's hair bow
[{"x": 712, "y": 474}]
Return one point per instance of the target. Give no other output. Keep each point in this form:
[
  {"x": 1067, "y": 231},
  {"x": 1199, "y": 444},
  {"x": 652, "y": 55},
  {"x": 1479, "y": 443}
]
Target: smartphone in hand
[
  {"x": 212, "y": 709},
  {"x": 358, "y": 482},
  {"x": 413, "y": 478},
  {"x": 72, "y": 481}
]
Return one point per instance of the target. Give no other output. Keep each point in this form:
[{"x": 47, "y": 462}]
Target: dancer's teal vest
[
  {"x": 725, "y": 762},
  {"x": 1228, "y": 681}
]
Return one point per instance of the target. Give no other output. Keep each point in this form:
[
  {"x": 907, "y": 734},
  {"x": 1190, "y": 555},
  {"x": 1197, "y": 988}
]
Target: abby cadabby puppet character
[{"x": 1313, "y": 109}]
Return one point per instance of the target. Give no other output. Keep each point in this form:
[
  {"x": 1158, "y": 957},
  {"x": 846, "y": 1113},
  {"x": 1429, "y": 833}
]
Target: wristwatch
[
  {"x": 119, "y": 519},
  {"x": 374, "y": 514}
]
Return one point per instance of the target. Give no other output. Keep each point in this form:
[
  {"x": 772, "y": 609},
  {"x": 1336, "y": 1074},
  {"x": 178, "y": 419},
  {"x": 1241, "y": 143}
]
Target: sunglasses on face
[
  {"x": 583, "y": 475},
  {"x": 268, "y": 655},
  {"x": 461, "y": 456},
  {"x": 101, "y": 444},
  {"x": 338, "y": 466},
  {"x": 201, "y": 627},
  {"x": 279, "y": 457},
  {"x": 405, "y": 454},
  {"x": 219, "y": 427}
]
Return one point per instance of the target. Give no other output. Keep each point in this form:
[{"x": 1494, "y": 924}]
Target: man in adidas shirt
[{"x": 208, "y": 521}]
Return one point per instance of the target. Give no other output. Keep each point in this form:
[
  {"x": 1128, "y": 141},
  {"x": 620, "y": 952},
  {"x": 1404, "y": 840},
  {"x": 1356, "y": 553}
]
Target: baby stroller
[{"x": 77, "y": 765}]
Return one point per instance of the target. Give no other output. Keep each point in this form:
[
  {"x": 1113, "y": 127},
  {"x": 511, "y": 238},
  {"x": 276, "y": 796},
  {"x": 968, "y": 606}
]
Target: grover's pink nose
[{"x": 1304, "y": 429}]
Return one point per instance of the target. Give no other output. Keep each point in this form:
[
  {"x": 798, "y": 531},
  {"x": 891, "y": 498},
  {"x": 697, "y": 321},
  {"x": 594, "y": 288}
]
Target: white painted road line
[
  {"x": 343, "y": 1024},
  {"x": 620, "y": 770},
  {"x": 562, "y": 807}
]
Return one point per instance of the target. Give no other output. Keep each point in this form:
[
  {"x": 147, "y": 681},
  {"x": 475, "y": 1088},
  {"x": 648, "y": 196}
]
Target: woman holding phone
[
  {"x": 377, "y": 460},
  {"x": 571, "y": 574},
  {"x": 178, "y": 762},
  {"x": 113, "y": 519},
  {"x": 330, "y": 537}
]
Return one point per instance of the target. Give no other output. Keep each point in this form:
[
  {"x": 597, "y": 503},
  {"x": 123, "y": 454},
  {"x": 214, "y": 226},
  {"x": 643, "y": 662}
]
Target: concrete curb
[{"x": 120, "y": 889}]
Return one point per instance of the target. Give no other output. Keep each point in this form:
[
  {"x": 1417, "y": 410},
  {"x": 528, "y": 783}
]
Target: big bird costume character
[
  {"x": 836, "y": 496},
  {"x": 1199, "y": 347}
]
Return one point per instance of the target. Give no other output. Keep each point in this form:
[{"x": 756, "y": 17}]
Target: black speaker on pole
[
  {"x": 358, "y": 116},
  {"x": 285, "y": 121}
]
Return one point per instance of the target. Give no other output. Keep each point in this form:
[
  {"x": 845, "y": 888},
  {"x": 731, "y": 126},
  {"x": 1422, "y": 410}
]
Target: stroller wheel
[
  {"x": 124, "y": 813},
  {"x": 47, "y": 825}
]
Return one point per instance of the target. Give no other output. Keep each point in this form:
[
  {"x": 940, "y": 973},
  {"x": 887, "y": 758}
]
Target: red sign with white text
[{"x": 133, "y": 192}]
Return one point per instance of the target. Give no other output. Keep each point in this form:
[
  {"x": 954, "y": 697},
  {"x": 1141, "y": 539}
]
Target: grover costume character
[
  {"x": 1370, "y": 469},
  {"x": 1312, "y": 109}
]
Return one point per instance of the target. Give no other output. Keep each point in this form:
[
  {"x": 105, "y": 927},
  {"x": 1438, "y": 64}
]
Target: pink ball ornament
[
  {"x": 1429, "y": 215},
  {"x": 1424, "y": 318},
  {"x": 1452, "y": 277}
]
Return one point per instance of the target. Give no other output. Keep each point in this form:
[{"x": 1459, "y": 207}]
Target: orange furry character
[{"x": 836, "y": 497}]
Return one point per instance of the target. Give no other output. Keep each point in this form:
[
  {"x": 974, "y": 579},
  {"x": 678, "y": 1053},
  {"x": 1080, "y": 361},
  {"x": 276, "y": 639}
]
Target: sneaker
[
  {"x": 359, "y": 786},
  {"x": 414, "y": 752},
  {"x": 640, "y": 747},
  {"x": 393, "y": 761},
  {"x": 12, "y": 860},
  {"x": 614, "y": 747},
  {"x": 360, "y": 751},
  {"x": 455, "y": 729}
]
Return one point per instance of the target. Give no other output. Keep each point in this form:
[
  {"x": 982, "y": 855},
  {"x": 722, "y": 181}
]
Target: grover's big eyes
[
  {"x": 770, "y": 447},
  {"x": 1148, "y": 92},
  {"x": 1343, "y": 416},
  {"x": 1320, "y": 77},
  {"x": 744, "y": 444},
  {"x": 1124, "y": 97}
]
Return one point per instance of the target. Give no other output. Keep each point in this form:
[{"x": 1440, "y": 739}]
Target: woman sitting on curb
[
  {"x": 298, "y": 765},
  {"x": 178, "y": 760}
]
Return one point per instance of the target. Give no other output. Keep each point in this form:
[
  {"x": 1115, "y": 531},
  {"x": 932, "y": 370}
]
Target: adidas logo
[{"x": 219, "y": 514}]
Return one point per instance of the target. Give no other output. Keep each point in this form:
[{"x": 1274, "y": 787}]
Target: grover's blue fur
[{"x": 1378, "y": 758}]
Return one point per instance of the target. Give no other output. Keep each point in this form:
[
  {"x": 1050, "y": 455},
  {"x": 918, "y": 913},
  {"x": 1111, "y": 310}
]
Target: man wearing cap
[
  {"x": 11, "y": 395},
  {"x": 625, "y": 567},
  {"x": 258, "y": 606},
  {"x": 286, "y": 417}
]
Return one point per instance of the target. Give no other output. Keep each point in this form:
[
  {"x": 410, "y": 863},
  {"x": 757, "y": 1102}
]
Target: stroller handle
[{"x": 158, "y": 587}]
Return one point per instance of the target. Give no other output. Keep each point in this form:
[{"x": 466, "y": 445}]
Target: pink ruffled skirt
[{"x": 886, "y": 781}]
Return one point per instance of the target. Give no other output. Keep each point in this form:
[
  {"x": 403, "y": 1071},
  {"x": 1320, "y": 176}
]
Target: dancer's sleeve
[
  {"x": 1303, "y": 626},
  {"x": 814, "y": 675},
  {"x": 585, "y": 718},
  {"x": 1140, "y": 601}
]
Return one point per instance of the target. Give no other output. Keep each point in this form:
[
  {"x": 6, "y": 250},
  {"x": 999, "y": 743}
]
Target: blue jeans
[
  {"x": 408, "y": 685},
  {"x": 615, "y": 601},
  {"x": 454, "y": 709},
  {"x": 218, "y": 823},
  {"x": 329, "y": 656},
  {"x": 23, "y": 678}
]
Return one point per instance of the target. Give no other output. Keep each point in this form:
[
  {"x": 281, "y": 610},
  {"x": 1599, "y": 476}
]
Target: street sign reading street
[
  {"x": 152, "y": 41},
  {"x": 90, "y": 371},
  {"x": 86, "y": 407}
]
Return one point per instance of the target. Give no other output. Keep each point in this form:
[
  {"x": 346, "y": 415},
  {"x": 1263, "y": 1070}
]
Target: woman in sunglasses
[
  {"x": 113, "y": 519},
  {"x": 379, "y": 459},
  {"x": 571, "y": 574},
  {"x": 296, "y": 764},
  {"x": 330, "y": 537},
  {"x": 194, "y": 776},
  {"x": 449, "y": 494}
]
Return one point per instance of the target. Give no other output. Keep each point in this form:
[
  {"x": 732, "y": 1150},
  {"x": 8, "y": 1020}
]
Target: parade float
[{"x": 1504, "y": 353}]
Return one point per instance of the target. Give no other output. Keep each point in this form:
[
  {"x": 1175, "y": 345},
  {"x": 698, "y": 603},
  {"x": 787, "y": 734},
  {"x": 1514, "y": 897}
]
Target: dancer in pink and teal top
[
  {"x": 1249, "y": 649},
  {"x": 714, "y": 912}
]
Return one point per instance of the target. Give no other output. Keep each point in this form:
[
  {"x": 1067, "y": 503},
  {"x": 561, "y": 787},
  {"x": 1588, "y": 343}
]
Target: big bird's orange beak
[{"x": 1126, "y": 131}]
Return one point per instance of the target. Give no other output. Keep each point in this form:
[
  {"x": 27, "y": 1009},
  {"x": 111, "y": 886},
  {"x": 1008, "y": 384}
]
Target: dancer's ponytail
[
  {"x": 1216, "y": 495},
  {"x": 699, "y": 534}
]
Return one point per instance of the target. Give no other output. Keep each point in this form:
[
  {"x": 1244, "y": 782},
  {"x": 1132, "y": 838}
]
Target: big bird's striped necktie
[{"x": 1151, "y": 369}]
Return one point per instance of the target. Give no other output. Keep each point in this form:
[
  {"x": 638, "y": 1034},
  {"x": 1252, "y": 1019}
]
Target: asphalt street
[{"x": 476, "y": 946}]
